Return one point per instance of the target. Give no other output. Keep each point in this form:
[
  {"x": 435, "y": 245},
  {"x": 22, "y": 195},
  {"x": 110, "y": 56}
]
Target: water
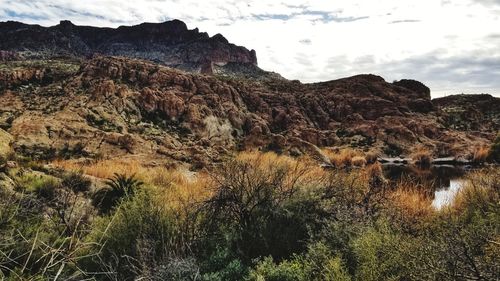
[
  {"x": 444, "y": 197},
  {"x": 442, "y": 182}
]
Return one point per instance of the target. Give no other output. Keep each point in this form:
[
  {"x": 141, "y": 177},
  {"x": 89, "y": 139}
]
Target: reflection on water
[
  {"x": 443, "y": 197},
  {"x": 444, "y": 181}
]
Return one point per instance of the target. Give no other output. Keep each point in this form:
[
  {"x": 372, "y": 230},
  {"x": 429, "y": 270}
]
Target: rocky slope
[
  {"x": 170, "y": 43},
  {"x": 121, "y": 107}
]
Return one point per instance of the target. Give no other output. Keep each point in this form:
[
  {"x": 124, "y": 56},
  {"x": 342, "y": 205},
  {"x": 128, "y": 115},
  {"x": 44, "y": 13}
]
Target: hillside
[
  {"x": 154, "y": 152},
  {"x": 62, "y": 100}
]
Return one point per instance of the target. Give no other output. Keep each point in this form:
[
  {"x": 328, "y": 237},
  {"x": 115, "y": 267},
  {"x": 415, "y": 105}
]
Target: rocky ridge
[
  {"x": 170, "y": 43},
  {"x": 134, "y": 108}
]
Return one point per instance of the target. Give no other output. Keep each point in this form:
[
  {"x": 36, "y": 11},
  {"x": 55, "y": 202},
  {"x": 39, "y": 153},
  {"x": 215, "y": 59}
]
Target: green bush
[
  {"x": 139, "y": 236},
  {"x": 260, "y": 211},
  {"x": 378, "y": 256},
  {"x": 43, "y": 186},
  {"x": 317, "y": 264},
  {"x": 117, "y": 188},
  {"x": 294, "y": 270},
  {"x": 76, "y": 181}
]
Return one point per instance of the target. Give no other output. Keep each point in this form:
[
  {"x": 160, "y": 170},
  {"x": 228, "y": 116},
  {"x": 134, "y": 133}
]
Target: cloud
[
  {"x": 306, "y": 41},
  {"x": 452, "y": 46},
  {"x": 404, "y": 21}
]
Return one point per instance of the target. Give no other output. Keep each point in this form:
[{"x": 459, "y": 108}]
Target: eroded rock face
[{"x": 119, "y": 106}]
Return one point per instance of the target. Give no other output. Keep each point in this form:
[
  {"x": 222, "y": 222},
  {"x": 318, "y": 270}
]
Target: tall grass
[
  {"x": 421, "y": 155},
  {"x": 344, "y": 157},
  {"x": 480, "y": 154}
]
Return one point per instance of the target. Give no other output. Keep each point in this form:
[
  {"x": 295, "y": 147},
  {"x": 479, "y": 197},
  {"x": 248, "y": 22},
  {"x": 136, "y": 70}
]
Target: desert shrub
[
  {"x": 76, "y": 181},
  {"x": 422, "y": 156},
  {"x": 117, "y": 188},
  {"x": 255, "y": 205},
  {"x": 43, "y": 186},
  {"x": 294, "y": 270},
  {"x": 318, "y": 263},
  {"x": 377, "y": 255},
  {"x": 33, "y": 247},
  {"x": 393, "y": 149},
  {"x": 461, "y": 243},
  {"x": 46, "y": 188},
  {"x": 223, "y": 265},
  {"x": 140, "y": 237}
]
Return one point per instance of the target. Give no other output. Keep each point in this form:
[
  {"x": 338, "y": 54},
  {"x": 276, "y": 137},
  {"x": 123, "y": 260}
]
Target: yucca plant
[{"x": 118, "y": 187}]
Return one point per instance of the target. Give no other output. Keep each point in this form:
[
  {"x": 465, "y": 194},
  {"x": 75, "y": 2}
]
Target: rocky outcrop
[
  {"x": 170, "y": 43},
  {"x": 470, "y": 112},
  {"x": 120, "y": 106}
]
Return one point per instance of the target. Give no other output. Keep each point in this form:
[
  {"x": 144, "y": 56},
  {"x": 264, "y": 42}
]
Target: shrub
[
  {"x": 42, "y": 185},
  {"x": 117, "y": 188},
  {"x": 46, "y": 188},
  {"x": 422, "y": 156},
  {"x": 251, "y": 200},
  {"x": 76, "y": 181},
  {"x": 140, "y": 237},
  {"x": 377, "y": 255},
  {"x": 480, "y": 154},
  {"x": 294, "y": 270},
  {"x": 318, "y": 263}
]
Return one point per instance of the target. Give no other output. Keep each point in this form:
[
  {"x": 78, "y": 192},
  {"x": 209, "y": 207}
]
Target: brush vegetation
[{"x": 254, "y": 217}]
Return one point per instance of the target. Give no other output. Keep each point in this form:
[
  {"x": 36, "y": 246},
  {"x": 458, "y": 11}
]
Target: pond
[{"x": 445, "y": 180}]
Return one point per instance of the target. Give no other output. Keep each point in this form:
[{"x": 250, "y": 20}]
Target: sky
[{"x": 452, "y": 46}]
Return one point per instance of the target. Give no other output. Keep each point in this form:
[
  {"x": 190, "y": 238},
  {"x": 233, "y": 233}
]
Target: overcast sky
[{"x": 453, "y": 46}]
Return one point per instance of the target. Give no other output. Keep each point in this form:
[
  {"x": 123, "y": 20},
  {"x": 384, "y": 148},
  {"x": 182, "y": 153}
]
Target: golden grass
[
  {"x": 5, "y": 139},
  {"x": 343, "y": 157},
  {"x": 411, "y": 203},
  {"x": 480, "y": 189},
  {"x": 421, "y": 155},
  {"x": 371, "y": 157},
  {"x": 480, "y": 154},
  {"x": 105, "y": 169},
  {"x": 358, "y": 161}
]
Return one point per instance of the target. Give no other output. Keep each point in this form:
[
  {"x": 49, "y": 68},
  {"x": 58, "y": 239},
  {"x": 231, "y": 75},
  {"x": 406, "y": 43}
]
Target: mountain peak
[{"x": 169, "y": 43}]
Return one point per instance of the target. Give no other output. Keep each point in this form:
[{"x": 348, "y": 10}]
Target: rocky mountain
[
  {"x": 170, "y": 43},
  {"x": 61, "y": 100},
  {"x": 127, "y": 107}
]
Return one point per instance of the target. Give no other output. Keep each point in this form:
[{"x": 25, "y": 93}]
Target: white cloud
[{"x": 315, "y": 40}]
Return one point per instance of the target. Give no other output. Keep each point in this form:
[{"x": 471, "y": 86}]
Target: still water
[{"x": 445, "y": 181}]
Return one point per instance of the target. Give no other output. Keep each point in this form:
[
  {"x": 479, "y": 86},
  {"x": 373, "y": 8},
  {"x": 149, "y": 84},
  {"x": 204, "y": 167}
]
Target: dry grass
[
  {"x": 371, "y": 157},
  {"x": 105, "y": 169},
  {"x": 358, "y": 161},
  {"x": 374, "y": 171},
  {"x": 480, "y": 154},
  {"x": 305, "y": 167},
  {"x": 5, "y": 139},
  {"x": 421, "y": 155},
  {"x": 343, "y": 157},
  {"x": 480, "y": 189},
  {"x": 411, "y": 204}
]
